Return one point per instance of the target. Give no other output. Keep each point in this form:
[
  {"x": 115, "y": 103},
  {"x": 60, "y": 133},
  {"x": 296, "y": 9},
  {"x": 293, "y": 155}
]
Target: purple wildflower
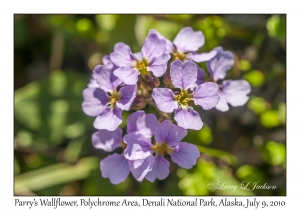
[
  {"x": 233, "y": 92},
  {"x": 168, "y": 137},
  {"x": 186, "y": 44},
  {"x": 183, "y": 76},
  {"x": 106, "y": 101},
  {"x": 152, "y": 58},
  {"x": 116, "y": 167}
]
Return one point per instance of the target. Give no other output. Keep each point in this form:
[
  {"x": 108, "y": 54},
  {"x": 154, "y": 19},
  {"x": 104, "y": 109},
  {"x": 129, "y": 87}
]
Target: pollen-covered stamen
[
  {"x": 178, "y": 56},
  {"x": 161, "y": 149},
  {"x": 141, "y": 66},
  {"x": 113, "y": 98},
  {"x": 183, "y": 98}
]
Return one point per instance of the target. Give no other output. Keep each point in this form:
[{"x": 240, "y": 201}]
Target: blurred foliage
[{"x": 52, "y": 136}]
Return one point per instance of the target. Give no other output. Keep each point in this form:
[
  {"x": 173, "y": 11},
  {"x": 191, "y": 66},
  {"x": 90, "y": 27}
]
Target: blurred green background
[{"x": 54, "y": 56}]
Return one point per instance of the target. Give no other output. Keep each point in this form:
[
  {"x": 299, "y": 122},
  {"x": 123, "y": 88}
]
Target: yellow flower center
[
  {"x": 183, "y": 98},
  {"x": 161, "y": 149},
  {"x": 178, "y": 56},
  {"x": 141, "y": 66},
  {"x": 115, "y": 96}
]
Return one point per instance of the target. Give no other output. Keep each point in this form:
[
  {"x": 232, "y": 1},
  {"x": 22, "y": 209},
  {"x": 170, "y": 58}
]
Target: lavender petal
[
  {"x": 220, "y": 64},
  {"x": 138, "y": 146},
  {"x": 140, "y": 168},
  {"x": 128, "y": 94},
  {"x": 164, "y": 99},
  {"x": 122, "y": 55},
  {"x": 160, "y": 169},
  {"x": 236, "y": 91},
  {"x": 185, "y": 155},
  {"x": 107, "y": 140},
  {"x": 115, "y": 167},
  {"x": 169, "y": 133},
  {"x": 188, "y": 40},
  {"x": 206, "y": 95},
  {"x": 143, "y": 123},
  {"x": 127, "y": 74},
  {"x": 94, "y": 101},
  {"x": 183, "y": 74},
  {"x": 188, "y": 118},
  {"x": 110, "y": 119}
]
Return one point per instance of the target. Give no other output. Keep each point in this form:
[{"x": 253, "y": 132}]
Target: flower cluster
[{"x": 129, "y": 80}]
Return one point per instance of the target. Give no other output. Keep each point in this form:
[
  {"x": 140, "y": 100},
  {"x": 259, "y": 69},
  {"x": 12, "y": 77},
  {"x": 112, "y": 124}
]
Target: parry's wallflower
[
  {"x": 151, "y": 58},
  {"x": 107, "y": 101},
  {"x": 168, "y": 137},
  {"x": 184, "y": 76},
  {"x": 233, "y": 92},
  {"x": 186, "y": 44},
  {"x": 116, "y": 167}
]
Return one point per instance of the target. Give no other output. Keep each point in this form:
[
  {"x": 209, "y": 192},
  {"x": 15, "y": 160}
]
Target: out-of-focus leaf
[
  {"x": 207, "y": 178},
  {"x": 205, "y": 135},
  {"x": 255, "y": 78},
  {"x": 56, "y": 174},
  {"x": 244, "y": 65},
  {"x": 281, "y": 112},
  {"x": 226, "y": 156},
  {"x": 269, "y": 119},
  {"x": 250, "y": 173},
  {"x": 169, "y": 29},
  {"x": 274, "y": 153},
  {"x": 257, "y": 104},
  {"x": 276, "y": 26}
]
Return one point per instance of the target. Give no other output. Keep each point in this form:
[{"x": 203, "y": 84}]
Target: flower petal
[
  {"x": 183, "y": 74},
  {"x": 188, "y": 118},
  {"x": 110, "y": 119},
  {"x": 142, "y": 123},
  {"x": 107, "y": 140},
  {"x": 105, "y": 78},
  {"x": 160, "y": 169},
  {"x": 206, "y": 95},
  {"x": 127, "y": 74},
  {"x": 222, "y": 105},
  {"x": 94, "y": 101},
  {"x": 202, "y": 57},
  {"x": 138, "y": 55},
  {"x": 140, "y": 168},
  {"x": 169, "y": 47},
  {"x": 169, "y": 133},
  {"x": 220, "y": 64},
  {"x": 106, "y": 59},
  {"x": 164, "y": 99},
  {"x": 128, "y": 94},
  {"x": 115, "y": 167},
  {"x": 236, "y": 91},
  {"x": 200, "y": 76},
  {"x": 188, "y": 40},
  {"x": 159, "y": 64},
  {"x": 153, "y": 46},
  {"x": 122, "y": 55},
  {"x": 185, "y": 155},
  {"x": 138, "y": 146}
]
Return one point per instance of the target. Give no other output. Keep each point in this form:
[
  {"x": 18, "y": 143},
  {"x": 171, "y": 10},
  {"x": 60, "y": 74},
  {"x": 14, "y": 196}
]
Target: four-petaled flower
[
  {"x": 183, "y": 76},
  {"x": 186, "y": 44},
  {"x": 168, "y": 137},
  {"x": 116, "y": 167},
  {"x": 151, "y": 58},
  {"x": 233, "y": 92},
  {"x": 107, "y": 101}
]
